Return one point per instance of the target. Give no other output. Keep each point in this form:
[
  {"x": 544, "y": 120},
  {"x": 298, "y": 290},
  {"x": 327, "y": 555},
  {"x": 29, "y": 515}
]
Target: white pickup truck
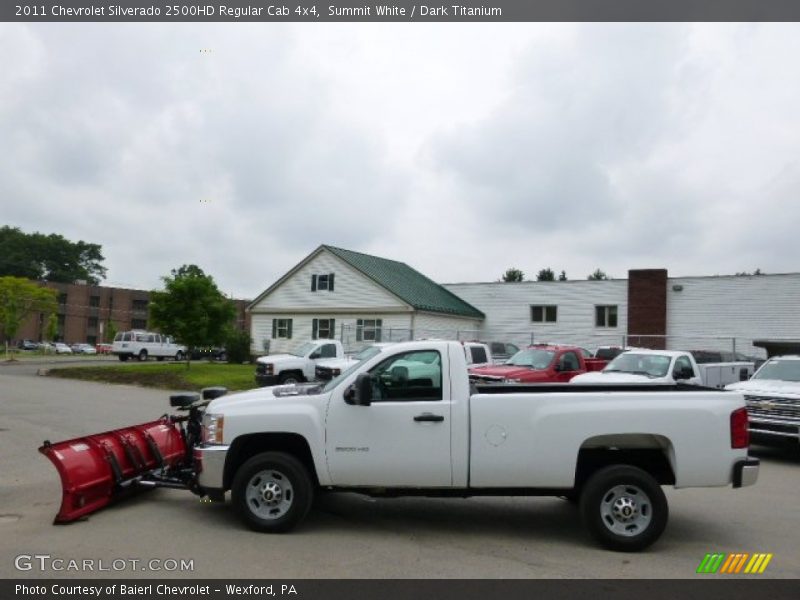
[
  {"x": 666, "y": 366},
  {"x": 773, "y": 400},
  {"x": 298, "y": 366},
  {"x": 430, "y": 434}
]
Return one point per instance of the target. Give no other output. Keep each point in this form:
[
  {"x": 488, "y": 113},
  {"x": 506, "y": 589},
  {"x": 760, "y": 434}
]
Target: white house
[{"x": 358, "y": 298}]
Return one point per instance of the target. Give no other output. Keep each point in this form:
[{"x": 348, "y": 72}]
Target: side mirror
[{"x": 360, "y": 392}]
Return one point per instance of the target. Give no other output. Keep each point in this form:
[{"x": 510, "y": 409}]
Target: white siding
[
  {"x": 432, "y": 325},
  {"x": 395, "y": 328},
  {"x": 746, "y": 308},
  {"x": 351, "y": 289},
  {"x": 508, "y": 312}
]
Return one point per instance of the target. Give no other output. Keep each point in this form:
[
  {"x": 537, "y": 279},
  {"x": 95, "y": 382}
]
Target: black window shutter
[
  {"x": 289, "y": 329},
  {"x": 314, "y": 328},
  {"x": 359, "y": 330},
  {"x": 274, "y": 328},
  {"x": 330, "y": 282},
  {"x": 378, "y": 328},
  {"x": 333, "y": 328},
  {"x": 313, "y": 283}
]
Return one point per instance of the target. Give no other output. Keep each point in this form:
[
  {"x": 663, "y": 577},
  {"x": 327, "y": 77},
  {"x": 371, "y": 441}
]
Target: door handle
[{"x": 429, "y": 417}]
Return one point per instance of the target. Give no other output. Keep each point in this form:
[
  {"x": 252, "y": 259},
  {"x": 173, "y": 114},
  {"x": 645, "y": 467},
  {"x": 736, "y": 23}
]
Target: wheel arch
[
  {"x": 653, "y": 453},
  {"x": 246, "y": 446}
]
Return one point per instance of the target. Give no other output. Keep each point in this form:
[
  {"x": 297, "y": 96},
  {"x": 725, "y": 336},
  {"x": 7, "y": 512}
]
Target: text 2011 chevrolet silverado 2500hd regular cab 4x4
[{"x": 406, "y": 422}]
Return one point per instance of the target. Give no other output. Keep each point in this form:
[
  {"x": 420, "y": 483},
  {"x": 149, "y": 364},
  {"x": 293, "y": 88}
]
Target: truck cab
[{"x": 299, "y": 365}]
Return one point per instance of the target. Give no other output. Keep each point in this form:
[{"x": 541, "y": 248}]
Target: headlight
[
  {"x": 336, "y": 372},
  {"x": 212, "y": 428},
  {"x": 268, "y": 368}
]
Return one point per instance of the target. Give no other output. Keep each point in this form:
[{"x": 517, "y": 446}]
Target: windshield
[
  {"x": 367, "y": 352},
  {"x": 650, "y": 365},
  {"x": 536, "y": 359},
  {"x": 782, "y": 370},
  {"x": 304, "y": 349}
]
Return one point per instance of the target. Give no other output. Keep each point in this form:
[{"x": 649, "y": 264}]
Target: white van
[{"x": 144, "y": 344}]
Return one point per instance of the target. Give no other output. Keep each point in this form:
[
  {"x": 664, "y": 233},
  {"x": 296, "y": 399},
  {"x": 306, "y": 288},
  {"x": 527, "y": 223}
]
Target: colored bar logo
[{"x": 738, "y": 562}]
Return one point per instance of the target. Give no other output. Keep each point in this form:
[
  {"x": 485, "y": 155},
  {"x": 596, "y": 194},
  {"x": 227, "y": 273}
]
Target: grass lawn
[{"x": 169, "y": 376}]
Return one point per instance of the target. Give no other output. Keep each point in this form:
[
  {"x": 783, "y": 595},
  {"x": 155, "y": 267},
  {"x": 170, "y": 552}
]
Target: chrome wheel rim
[
  {"x": 626, "y": 510},
  {"x": 269, "y": 494}
]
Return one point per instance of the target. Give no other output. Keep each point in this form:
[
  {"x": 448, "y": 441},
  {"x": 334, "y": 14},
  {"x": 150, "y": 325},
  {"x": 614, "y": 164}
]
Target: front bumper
[
  {"x": 745, "y": 472},
  {"x": 209, "y": 461},
  {"x": 265, "y": 380}
]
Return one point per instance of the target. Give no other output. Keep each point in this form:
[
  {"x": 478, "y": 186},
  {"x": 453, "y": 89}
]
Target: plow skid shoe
[{"x": 96, "y": 468}]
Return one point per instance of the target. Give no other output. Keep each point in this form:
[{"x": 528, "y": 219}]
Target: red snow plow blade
[{"x": 96, "y": 468}]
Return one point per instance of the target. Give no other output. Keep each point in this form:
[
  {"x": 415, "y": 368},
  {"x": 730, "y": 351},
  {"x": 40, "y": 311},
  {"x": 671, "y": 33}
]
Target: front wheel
[
  {"x": 272, "y": 492},
  {"x": 179, "y": 356},
  {"x": 143, "y": 355},
  {"x": 624, "y": 508}
]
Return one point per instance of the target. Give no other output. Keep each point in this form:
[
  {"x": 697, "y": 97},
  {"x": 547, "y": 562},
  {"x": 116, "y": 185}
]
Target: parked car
[
  {"x": 144, "y": 344},
  {"x": 83, "y": 349},
  {"x": 209, "y": 353},
  {"x": 103, "y": 348},
  {"x": 540, "y": 363},
  {"x": 46, "y": 347},
  {"x": 667, "y": 366},
  {"x": 27, "y": 345},
  {"x": 773, "y": 400},
  {"x": 62, "y": 348},
  {"x": 298, "y": 366}
]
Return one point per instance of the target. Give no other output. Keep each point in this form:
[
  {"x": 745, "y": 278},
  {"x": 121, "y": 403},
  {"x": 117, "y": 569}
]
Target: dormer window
[{"x": 322, "y": 282}]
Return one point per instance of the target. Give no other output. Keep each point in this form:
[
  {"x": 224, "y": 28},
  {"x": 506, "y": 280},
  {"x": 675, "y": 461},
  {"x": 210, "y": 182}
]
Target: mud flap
[{"x": 95, "y": 469}]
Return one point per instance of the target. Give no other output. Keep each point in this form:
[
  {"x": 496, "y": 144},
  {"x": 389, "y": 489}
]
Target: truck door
[
  {"x": 403, "y": 438},
  {"x": 568, "y": 366}
]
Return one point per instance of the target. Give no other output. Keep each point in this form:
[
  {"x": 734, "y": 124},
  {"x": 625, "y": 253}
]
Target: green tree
[
  {"x": 513, "y": 274},
  {"x": 19, "y": 299},
  {"x": 192, "y": 309},
  {"x": 598, "y": 275},
  {"x": 49, "y": 257},
  {"x": 546, "y": 275},
  {"x": 51, "y": 330},
  {"x": 111, "y": 331},
  {"x": 562, "y": 276}
]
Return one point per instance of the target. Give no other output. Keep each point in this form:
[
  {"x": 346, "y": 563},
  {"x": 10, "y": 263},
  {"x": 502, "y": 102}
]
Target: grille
[{"x": 774, "y": 407}]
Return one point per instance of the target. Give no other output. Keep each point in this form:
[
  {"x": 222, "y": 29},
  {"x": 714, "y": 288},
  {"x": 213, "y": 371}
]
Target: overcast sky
[{"x": 460, "y": 149}]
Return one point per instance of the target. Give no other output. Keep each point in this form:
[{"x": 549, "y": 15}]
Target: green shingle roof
[{"x": 409, "y": 285}]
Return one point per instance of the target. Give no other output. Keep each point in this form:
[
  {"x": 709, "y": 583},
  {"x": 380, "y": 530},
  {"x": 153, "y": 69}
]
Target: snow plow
[{"x": 96, "y": 470}]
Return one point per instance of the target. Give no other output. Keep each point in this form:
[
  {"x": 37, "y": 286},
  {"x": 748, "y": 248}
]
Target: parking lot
[{"x": 348, "y": 535}]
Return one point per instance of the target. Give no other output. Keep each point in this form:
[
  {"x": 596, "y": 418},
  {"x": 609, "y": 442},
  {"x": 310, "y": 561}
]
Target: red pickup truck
[{"x": 545, "y": 363}]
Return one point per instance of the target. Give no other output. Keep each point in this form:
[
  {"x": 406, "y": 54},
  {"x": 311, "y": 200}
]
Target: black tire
[
  {"x": 142, "y": 355},
  {"x": 624, "y": 508},
  {"x": 286, "y": 378},
  {"x": 287, "y": 481},
  {"x": 179, "y": 356}
]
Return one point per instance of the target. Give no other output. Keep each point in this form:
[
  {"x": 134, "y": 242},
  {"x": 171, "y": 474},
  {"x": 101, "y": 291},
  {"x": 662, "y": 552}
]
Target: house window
[
  {"x": 368, "y": 330},
  {"x": 282, "y": 328},
  {"x": 138, "y": 323},
  {"x": 605, "y": 315},
  {"x": 544, "y": 313},
  {"x": 323, "y": 329},
  {"x": 94, "y": 301},
  {"x": 322, "y": 282}
]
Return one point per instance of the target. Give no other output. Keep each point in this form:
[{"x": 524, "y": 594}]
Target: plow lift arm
[{"x": 97, "y": 469}]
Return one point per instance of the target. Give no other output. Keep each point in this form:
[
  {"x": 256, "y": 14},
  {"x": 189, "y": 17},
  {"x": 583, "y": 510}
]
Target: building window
[
  {"x": 368, "y": 330},
  {"x": 323, "y": 329},
  {"x": 322, "y": 282},
  {"x": 94, "y": 301},
  {"x": 544, "y": 313},
  {"x": 91, "y": 340},
  {"x": 138, "y": 323},
  {"x": 282, "y": 328},
  {"x": 139, "y": 305},
  {"x": 62, "y": 298},
  {"x": 91, "y": 322},
  {"x": 605, "y": 316}
]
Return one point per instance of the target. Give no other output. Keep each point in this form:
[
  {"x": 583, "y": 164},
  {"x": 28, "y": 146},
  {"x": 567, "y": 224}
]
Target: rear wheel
[
  {"x": 143, "y": 355},
  {"x": 272, "y": 492},
  {"x": 624, "y": 508},
  {"x": 179, "y": 356}
]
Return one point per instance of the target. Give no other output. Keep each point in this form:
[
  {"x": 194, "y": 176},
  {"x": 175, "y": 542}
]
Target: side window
[
  {"x": 478, "y": 354},
  {"x": 328, "y": 351},
  {"x": 411, "y": 376},
  {"x": 569, "y": 362},
  {"x": 682, "y": 364}
]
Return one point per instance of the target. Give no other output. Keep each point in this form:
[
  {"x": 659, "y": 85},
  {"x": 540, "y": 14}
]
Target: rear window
[{"x": 478, "y": 354}]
